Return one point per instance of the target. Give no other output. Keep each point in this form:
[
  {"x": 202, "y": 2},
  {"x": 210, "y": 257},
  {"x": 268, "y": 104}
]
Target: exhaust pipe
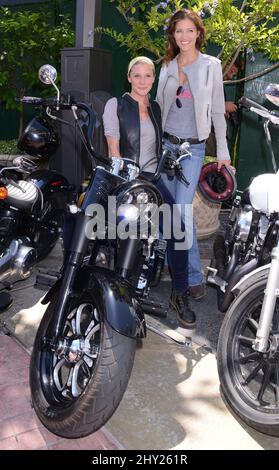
[
  {"x": 219, "y": 252},
  {"x": 233, "y": 262},
  {"x": 216, "y": 268},
  {"x": 232, "y": 274}
]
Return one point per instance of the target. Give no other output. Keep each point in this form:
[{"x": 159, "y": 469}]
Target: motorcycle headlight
[
  {"x": 137, "y": 203},
  {"x": 142, "y": 198},
  {"x": 127, "y": 199},
  {"x": 128, "y": 211}
]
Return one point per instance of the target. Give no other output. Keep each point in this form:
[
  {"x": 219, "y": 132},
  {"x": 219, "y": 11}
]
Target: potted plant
[{"x": 206, "y": 213}]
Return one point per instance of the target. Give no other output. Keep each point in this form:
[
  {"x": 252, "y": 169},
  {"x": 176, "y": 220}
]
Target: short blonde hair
[{"x": 142, "y": 60}]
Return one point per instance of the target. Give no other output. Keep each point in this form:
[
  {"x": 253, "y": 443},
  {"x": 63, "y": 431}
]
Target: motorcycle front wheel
[
  {"x": 78, "y": 385},
  {"x": 249, "y": 379}
]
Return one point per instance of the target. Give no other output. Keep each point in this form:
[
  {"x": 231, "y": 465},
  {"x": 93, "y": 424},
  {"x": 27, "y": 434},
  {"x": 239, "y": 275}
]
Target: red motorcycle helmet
[{"x": 217, "y": 186}]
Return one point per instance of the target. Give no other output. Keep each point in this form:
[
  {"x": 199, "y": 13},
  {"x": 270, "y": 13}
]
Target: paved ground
[
  {"x": 19, "y": 427},
  {"x": 172, "y": 400}
]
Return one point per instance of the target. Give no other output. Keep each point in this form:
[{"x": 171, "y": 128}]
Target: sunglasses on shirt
[{"x": 178, "y": 92}]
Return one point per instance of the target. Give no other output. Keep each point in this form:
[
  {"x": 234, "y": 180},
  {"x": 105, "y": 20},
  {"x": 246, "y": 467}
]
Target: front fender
[
  {"x": 256, "y": 275},
  {"x": 115, "y": 298},
  {"x": 52, "y": 292}
]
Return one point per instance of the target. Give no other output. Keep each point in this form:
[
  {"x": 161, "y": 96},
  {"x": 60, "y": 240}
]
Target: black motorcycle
[
  {"x": 85, "y": 345},
  {"x": 32, "y": 207},
  {"x": 250, "y": 233}
]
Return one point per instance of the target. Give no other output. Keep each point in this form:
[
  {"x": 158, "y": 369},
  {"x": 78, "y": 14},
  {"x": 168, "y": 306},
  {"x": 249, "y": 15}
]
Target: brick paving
[{"x": 20, "y": 429}]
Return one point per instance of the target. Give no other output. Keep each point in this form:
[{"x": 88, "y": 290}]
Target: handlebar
[
  {"x": 160, "y": 166},
  {"x": 67, "y": 103},
  {"x": 248, "y": 104},
  {"x": 251, "y": 105},
  {"x": 37, "y": 101},
  {"x": 30, "y": 100},
  {"x": 87, "y": 130}
]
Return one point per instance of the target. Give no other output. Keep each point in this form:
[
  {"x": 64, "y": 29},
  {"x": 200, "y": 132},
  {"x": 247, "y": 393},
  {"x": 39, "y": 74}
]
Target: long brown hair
[{"x": 172, "y": 48}]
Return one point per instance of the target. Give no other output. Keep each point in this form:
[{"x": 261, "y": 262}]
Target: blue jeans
[
  {"x": 184, "y": 194},
  {"x": 177, "y": 258}
]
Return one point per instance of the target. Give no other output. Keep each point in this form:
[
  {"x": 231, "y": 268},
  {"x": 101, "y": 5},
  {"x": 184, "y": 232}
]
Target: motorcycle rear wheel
[
  {"x": 249, "y": 379},
  {"x": 74, "y": 397},
  {"x": 46, "y": 235}
]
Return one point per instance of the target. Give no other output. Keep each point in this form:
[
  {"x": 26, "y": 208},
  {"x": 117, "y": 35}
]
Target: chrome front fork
[{"x": 270, "y": 296}]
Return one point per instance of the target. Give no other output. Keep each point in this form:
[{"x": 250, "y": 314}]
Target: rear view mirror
[{"x": 47, "y": 74}]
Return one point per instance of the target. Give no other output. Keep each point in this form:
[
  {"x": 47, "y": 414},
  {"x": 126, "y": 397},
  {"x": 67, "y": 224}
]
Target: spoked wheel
[
  {"x": 250, "y": 379},
  {"x": 78, "y": 383}
]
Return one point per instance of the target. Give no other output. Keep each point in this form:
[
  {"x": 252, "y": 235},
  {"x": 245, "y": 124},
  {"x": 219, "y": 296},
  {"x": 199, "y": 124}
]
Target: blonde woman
[
  {"x": 132, "y": 122},
  {"x": 133, "y": 129}
]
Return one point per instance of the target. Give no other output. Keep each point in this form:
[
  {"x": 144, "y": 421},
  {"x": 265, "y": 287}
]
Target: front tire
[
  {"x": 75, "y": 394},
  {"x": 250, "y": 379}
]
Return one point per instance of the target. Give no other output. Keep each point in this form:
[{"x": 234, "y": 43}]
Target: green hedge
[{"x": 9, "y": 147}]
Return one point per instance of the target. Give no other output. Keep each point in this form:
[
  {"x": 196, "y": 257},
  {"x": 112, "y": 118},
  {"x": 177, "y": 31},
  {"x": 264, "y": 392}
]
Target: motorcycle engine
[
  {"x": 17, "y": 260},
  {"x": 244, "y": 222},
  {"x": 240, "y": 220},
  {"x": 153, "y": 264}
]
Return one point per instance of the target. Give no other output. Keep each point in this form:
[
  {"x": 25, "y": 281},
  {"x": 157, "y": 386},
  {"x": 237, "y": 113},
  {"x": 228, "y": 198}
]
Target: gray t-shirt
[
  {"x": 147, "y": 135},
  {"x": 182, "y": 121}
]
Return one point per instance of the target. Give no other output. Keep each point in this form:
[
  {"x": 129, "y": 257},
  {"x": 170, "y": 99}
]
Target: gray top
[
  {"x": 182, "y": 121},
  {"x": 206, "y": 84},
  {"x": 147, "y": 135}
]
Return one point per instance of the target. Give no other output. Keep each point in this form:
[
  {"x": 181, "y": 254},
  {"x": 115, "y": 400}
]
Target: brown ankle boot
[{"x": 197, "y": 292}]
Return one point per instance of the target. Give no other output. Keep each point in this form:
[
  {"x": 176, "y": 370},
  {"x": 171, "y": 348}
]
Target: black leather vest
[{"x": 129, "y": 124}]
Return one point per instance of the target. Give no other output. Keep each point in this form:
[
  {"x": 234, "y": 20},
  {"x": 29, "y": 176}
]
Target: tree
[
  {"x": 234, "y": 26},
  {"x": 27, "y": 40}
]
